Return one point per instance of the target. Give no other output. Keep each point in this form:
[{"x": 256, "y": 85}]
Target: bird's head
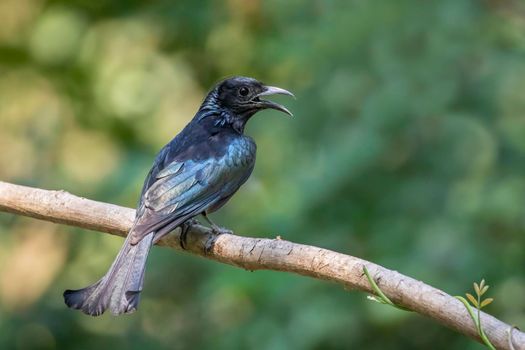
[{"x": 239, "y": 98}]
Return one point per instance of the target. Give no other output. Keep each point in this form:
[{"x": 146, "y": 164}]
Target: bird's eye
[{"x": 244, "y": 91}]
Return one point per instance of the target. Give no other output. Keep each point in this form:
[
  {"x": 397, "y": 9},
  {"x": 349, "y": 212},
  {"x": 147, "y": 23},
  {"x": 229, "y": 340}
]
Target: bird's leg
[
  {"x": 215, "y": 228},
  {"x": 184, "y": 229}
]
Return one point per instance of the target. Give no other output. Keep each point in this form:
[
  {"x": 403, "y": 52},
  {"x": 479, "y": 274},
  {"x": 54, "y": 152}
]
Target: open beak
[{"x": 272, "y": 90}]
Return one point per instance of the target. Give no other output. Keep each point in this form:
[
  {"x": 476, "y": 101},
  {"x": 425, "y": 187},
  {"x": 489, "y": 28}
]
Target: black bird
[{"x": 196, "y": 173}]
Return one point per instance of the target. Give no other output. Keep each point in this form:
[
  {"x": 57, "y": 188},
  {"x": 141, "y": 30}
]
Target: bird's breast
[{"x": 241, "y": 152}]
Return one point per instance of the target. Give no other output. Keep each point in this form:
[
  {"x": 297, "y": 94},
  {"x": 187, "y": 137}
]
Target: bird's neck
[
  {"x": 221, "y": 120},
  {"x": 217, "y": 117}
]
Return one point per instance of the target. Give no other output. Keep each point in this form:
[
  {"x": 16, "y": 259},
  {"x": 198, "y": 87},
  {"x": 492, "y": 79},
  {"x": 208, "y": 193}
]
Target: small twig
[{"x": 477, "y": 323}]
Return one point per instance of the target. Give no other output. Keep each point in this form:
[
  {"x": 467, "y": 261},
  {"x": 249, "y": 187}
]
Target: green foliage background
[{"x": 407, "y": 149}]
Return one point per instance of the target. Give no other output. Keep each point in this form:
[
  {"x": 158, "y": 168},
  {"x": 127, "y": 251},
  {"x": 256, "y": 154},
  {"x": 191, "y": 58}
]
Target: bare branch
[{"x": 269, "y": 254}]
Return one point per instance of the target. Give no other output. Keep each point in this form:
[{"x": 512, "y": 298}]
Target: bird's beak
[{"x": 272, "y": 90}]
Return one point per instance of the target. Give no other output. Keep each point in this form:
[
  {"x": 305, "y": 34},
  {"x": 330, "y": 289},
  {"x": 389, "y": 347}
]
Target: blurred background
[{"x": 407, "y": 148}]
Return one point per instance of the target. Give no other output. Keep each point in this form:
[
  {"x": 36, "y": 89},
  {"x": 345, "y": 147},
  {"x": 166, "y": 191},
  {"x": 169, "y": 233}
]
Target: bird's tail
[{"x": 119, "y": 290}]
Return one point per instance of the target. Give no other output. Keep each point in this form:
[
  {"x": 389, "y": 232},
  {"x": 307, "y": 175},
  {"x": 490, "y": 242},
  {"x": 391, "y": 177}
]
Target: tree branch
[{"x": 269, "y": 254}]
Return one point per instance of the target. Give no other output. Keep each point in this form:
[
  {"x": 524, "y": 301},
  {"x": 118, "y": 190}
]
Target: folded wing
[{"x": 183, "y": 190}]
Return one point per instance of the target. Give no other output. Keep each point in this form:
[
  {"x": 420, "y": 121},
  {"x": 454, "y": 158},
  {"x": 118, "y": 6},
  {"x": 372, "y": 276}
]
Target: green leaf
[
  {"x": 476, "y": 288},
  {"x": 482, "y": 284},
  {"x": 484, "y": 289},
  {"x": 486, "y": 302},
  {"x": 472, "y": 300}
]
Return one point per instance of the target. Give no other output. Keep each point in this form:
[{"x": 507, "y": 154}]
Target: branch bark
[{"x": 269, "y": 254}]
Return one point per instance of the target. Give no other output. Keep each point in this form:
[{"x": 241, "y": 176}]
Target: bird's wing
[{"x": 183, "y": 190}]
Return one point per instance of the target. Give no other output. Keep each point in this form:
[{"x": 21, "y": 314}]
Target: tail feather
[{"x": 119, "y": 290}]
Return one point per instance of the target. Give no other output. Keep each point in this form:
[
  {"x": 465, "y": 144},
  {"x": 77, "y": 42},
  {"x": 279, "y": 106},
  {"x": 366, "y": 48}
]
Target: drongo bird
[{"x": 195, "y": 173}]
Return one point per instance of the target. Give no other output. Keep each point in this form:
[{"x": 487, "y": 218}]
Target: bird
[{"x": 196, "y": 173}]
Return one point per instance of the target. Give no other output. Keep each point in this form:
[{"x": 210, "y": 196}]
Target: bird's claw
[
  {"x": 208, "y": 246},
  {"x": 185, "y": 228},
  {"x": 217, "y": 230}
]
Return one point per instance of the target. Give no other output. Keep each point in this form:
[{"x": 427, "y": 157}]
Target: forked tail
[{"x": 119, "y": 290}]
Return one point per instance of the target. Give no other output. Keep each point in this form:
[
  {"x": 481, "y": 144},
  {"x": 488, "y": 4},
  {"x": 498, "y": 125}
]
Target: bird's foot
[
  {"x": 208, "y": 246},
  {"x": 185, "y": 228},
  {"x": 217, "y": 230}
]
